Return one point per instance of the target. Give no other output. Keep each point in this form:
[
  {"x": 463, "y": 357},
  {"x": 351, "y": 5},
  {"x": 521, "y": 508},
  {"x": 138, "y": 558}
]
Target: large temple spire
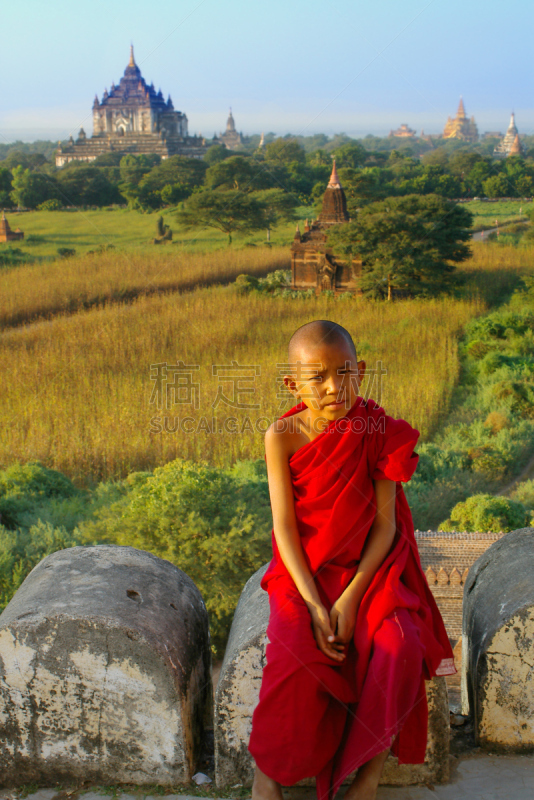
[
  {"x": 334, "y": 182},
  {"x": 460, "y": 114},
  {"x": 131, "y": 62}
]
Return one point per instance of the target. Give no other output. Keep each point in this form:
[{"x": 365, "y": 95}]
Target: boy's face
[{"x": 326, "y": 377}]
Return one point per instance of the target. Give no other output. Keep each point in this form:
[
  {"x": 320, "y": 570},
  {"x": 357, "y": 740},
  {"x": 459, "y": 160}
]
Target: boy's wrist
[
  {"x": 353, "y": 593},
  {"x": 314, "y": 605}
]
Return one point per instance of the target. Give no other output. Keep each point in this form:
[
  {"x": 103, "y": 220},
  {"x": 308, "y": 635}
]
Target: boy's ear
[{"x": 290, "y": 384}]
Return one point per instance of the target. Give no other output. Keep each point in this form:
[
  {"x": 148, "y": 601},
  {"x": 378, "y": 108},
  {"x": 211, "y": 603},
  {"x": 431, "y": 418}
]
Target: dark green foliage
[
  {"x": 13, "y": 256},
  {"x": 43, "y": 147},
  {"x": 5, "y": 188},
  {"x": 285, "y": 151},
  {"x": 39, "y": 509},
  {"x": 234, "y": 172},
  {"x": 216, "y": 153},
  {"x": 66, "y": 252},
  {"x": 25, "y": 490},
  {"x": 212, "y": 523},
  {"x": 406, "y": 244},
  {"x": 168, "y": 182},
  {"x": 22, "y": 549},
  {"x": 29, "y": 161},
  {"x": 86, "y": 186},
  {"x": 30, "y": 189},
  {"x": 350, "y": 155}
]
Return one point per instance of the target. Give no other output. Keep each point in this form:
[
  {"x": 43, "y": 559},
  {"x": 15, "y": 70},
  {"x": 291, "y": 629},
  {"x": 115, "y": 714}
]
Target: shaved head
[{"x": 318, "y": 332}]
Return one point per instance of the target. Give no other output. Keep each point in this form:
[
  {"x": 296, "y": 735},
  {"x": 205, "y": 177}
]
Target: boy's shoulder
[{"x": 284, "y": 434}]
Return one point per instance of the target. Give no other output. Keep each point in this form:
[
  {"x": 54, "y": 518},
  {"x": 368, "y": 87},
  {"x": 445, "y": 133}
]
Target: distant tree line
[{"x": 288, "y": 164}]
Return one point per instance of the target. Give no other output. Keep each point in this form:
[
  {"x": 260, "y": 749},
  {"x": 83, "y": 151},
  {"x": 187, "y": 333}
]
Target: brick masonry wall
[{"x": 446, "y": 559}]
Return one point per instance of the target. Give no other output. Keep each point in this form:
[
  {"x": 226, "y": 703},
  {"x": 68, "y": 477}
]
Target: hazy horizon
[{"x": 302, "y": 69}]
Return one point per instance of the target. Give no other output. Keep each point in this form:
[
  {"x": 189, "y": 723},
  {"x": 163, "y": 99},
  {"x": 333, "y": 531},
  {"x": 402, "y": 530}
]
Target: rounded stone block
[
  {"x": 104, "y": 671},
  {"x": 497, "y": 644},
  {"x": 238, "y": 690}
]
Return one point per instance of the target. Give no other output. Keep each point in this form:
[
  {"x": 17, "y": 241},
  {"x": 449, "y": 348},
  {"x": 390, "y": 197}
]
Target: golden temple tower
[{"x": 460, "y": 127}]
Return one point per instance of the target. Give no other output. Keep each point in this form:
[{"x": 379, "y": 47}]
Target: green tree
[
  {"x": 29, "y": 161},
  {"x": 406, "y": 244},
  {"x": 497, "y": 186},
  {"x": 86, "y": 185},
  {"x": 235, "y": 172},
  {"x": 364, "y": 186},
  {"x": 5, "y": 188},
  {"x": 30, "y": 189},
  {"x": 216, "y": 153},
  {"x": 476, "y": 176},
  {"x": 285, "y": 151},
  {"x": 350, "y": 155},
  {"x": 132, "y": 170},
  {"x": 229, "y": 211},
  {"x": 278, "y": 206}
]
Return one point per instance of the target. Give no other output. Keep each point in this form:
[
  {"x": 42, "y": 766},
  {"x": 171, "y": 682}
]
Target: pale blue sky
[{"x": 303, "y": 66}]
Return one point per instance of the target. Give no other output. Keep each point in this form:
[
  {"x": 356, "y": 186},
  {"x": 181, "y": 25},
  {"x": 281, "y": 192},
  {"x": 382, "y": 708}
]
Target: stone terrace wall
[
  {"x": 498, "y": 634},
  {"x": 104, "y": 671}
]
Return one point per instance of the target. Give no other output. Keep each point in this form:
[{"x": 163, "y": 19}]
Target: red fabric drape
[{"x": 315, "y": 717}]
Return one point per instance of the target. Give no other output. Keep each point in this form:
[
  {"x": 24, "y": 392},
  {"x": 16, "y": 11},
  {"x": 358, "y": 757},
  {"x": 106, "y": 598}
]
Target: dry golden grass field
[
  {"x": 81, "y": 392},
  {"x": 67, "y": 285}
]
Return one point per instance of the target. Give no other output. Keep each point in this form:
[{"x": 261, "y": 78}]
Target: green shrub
[
  {"x": 66, "y": 252},
  {"x": 50, "y": 205},
  {"x": 524, "y": 493},
  {"x": 477, "y": 349},
  {"x": 483, "y": 512},
  {"x": 276, "y": 283},
  {"x": 246, "y": 283},
  {"x": 21, "y": 550},
  {"x": 213, "y": 524},
  {"x": 29, "y": 492}
]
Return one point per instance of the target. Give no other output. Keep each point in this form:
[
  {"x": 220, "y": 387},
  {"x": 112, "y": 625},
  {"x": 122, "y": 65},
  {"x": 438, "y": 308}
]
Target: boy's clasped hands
[{"x": 335, "y": 630}]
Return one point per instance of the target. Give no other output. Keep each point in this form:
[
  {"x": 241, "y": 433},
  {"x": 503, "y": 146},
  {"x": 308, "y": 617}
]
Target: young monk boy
[{"x": 354, "y": 630}]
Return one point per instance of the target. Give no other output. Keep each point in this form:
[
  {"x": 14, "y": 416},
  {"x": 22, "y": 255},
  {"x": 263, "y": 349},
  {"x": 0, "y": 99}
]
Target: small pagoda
[
  {"x": 313, "y": 264},
  {"x": 6, "y": 234},
  {"x": 404, "y": 132},
  {"x": 231, "y": 139},
  {"x": 460, "y": 127},
  {"x": 510, "y": 145}
]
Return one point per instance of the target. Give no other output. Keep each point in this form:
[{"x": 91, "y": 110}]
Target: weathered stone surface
[
  {"x": 239, "y": 683},
  {"x": 104, "y": 670},
  {"x": 238, "y": 690},
  {"x": 498, "y": 636}
]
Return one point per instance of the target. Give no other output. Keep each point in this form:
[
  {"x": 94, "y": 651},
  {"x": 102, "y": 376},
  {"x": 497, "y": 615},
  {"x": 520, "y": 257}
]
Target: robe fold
[{"x": 315, "y": 717}]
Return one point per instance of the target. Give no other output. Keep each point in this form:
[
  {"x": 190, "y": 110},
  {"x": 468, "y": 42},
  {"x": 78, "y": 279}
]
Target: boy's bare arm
[
  {"x": 379, "y": 540},
  {"x": 288, "y": 538}
]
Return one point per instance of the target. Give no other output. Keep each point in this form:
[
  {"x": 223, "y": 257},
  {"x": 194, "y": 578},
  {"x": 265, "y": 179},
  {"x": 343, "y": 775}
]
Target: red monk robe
[{"x": 316, "y": 717}]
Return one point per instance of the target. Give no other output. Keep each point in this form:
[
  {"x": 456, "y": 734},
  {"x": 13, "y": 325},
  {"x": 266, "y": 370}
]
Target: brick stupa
[
  {"x": 313, "y": 264},
  {"x": 6, "y": 234}
]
